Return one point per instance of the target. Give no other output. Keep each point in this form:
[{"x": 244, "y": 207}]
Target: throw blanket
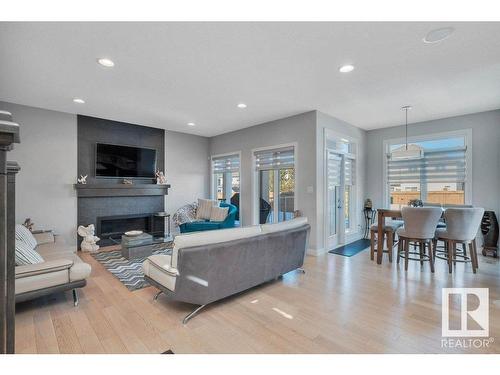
[{"x": 185, "y": 214}]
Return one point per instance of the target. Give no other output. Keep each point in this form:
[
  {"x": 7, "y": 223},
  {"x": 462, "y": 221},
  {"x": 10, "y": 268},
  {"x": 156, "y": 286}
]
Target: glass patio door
[
  {"x": 334, "y": 199},
  {"x": 340, "y": 179}
]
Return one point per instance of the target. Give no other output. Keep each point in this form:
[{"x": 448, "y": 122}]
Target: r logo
[{"x": 480, "y": 314}]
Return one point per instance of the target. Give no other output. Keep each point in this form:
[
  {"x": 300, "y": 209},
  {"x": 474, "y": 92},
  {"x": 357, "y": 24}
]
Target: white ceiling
[{"x": 168, "y": 74}]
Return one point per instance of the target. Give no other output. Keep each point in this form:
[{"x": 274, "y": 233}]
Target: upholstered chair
[
  {"x": 462, "y": 225},
  {"x": 419, "y": 227}
]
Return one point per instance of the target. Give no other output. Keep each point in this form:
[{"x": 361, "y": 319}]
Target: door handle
[{"x": 339, "y": 204}]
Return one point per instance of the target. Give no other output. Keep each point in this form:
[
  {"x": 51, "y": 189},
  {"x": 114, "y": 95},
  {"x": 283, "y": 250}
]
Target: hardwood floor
[{"x": 341, "y": 305}]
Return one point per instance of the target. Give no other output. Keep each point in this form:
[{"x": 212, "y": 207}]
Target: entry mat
[{"x": 352, "y": 248}]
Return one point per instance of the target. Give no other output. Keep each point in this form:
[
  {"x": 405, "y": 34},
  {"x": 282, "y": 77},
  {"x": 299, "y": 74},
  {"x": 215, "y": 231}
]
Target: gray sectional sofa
[{"x": 208, "y": 266}]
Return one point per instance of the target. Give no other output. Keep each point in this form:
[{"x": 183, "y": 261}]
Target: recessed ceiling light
[
  {"x": 242, "y": 105},
  {"x": 78, "y": 100},
  {"x": 191, "y": 124},
  {"x": 346, "y": 68},
  {"x": 106, "y": 62},
  {"x": 438, "y": 35}
]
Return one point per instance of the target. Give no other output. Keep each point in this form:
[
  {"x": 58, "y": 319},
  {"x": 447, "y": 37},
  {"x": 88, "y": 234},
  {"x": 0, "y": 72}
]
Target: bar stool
[
  {"x": 389, "y": 236},
  {"x": 419, "y": 227},
  {"x": 462, "y": 225}
]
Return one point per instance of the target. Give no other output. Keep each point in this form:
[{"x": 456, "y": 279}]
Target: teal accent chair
[{"x": 197, "y": 226}]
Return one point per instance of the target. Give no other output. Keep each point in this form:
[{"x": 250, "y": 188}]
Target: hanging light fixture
[{"x": 407, "y": 152}]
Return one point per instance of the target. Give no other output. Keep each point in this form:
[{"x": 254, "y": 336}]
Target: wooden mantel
[{"x": 120, "y": 190}]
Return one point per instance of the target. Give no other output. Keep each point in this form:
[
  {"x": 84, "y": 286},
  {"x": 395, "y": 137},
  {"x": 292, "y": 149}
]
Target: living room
[{"x": 250, "y": 187}]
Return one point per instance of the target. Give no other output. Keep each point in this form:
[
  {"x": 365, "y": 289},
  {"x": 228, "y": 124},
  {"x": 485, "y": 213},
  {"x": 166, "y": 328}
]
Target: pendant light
[{"x": 407, "y": 152}]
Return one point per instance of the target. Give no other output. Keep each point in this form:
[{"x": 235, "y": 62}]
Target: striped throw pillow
[
  {"x": 24, "y": 234},
  {"x": 218, "y": 213},
  {"x": 205, "y": 208},
  {"x": 26, "y": 255}
]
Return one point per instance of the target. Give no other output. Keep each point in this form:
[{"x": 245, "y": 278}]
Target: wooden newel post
[{"x": 9, "y": 134}]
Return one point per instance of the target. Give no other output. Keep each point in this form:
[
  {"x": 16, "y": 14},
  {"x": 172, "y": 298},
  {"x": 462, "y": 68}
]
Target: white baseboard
[{"x": 315, "y": 252}]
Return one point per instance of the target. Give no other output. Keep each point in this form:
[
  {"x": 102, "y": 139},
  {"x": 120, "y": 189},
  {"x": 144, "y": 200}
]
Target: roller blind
[
  {"x": 225, "y": 164},
  {"x": 349, "y": 171},
  {"x": 274, "y": 159},
  {"x": 436, "y": 166},
  {"x": 334, "y": 165}
]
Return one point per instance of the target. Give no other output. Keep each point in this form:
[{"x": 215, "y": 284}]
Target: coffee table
[{"x": 142, "y": 246}]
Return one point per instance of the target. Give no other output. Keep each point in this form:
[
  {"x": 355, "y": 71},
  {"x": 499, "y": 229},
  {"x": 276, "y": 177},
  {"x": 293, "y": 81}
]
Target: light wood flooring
[{"x": 341, "y": 305}]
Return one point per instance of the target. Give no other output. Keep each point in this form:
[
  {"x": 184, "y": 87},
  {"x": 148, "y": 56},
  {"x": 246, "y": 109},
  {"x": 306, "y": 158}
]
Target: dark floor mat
[{"x": 352, "y": 248}]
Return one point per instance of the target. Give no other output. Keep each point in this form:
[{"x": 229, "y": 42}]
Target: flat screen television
[{"x": 124, "y": 161}]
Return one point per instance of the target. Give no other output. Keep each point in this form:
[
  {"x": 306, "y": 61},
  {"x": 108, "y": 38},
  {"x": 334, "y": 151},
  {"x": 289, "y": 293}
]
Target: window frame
[
  {"x": 255, "y": 177},
  {"x": 465, "y": 133},
  {"x": 213, "y": 193}
]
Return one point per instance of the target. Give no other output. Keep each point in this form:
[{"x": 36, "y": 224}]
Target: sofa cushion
[
  {"x": 44, "y": 238},
  {"x": 211, "y": 237},
  {"x": 284, "y": 225},
  {"x": 25, "y": 254},
  {"x": 205, "y": 208},
  {"x": 159, "y": 269},
  {"x": 54, "y": 250},
  {"x": 29, "y": 270},
  {"x": 24, "y": 234},
  {"x": 41, "y": 281},
  {"x": 218, "y": 213}
]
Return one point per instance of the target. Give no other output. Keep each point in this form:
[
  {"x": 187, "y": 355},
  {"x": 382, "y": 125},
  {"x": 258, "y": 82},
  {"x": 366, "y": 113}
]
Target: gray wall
[
  {"x": 187, "y": 168},
  {"x": 344, "y": 129},
  {"x": 47, "y": 156},
  {"x": 301, "y": 129},
  {"x": 485, "y": 154}
]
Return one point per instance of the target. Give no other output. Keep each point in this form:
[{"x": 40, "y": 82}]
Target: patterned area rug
[{"x": 129, "y": 272}]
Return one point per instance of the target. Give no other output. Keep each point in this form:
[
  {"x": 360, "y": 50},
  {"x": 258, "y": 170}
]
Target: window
[
  {"x": 226, "y": 177},
  {"x": 439, "y": 176},
  {"x": 275, "y": 170}
]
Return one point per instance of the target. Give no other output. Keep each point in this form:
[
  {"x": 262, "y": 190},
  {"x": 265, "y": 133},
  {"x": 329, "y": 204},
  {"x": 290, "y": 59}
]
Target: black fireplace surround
[
  {"x": 111, "y": 206},
  {"x": 113, "y": 227}
]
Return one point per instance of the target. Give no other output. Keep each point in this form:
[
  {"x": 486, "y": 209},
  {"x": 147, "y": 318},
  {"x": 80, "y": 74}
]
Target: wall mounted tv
[{"x": 124, "y": 161}]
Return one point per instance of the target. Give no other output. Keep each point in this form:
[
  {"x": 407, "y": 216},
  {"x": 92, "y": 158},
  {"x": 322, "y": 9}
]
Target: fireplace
[{"x": 113, "y": 227}]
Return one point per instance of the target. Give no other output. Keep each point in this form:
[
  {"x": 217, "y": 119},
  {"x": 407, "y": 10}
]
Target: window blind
[
  {"x": 334, "y": 164},
  {"x": 226, "y": 164},
  {"x": 349, "y": 171},
  {"x": 274, "y": 159},
  {"x": 447, "y": 165}
]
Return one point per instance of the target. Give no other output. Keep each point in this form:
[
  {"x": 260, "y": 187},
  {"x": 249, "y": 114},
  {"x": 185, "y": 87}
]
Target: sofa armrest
[{"x": 44, "y": 267}]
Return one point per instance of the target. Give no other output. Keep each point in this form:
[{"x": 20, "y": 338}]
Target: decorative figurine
[
  {"x": 82, "y": 180},
  {"x": 89, "y": 240},
  {"x": 29, "y": 224},
  {"x": 160, "y": 178}
]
